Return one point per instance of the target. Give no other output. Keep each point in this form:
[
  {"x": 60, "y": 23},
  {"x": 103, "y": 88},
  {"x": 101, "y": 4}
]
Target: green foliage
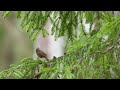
[
  {"x": 64, "y": 22},
  {"x": 6, "y": 13},
  {"x": 90, "y": 54}
]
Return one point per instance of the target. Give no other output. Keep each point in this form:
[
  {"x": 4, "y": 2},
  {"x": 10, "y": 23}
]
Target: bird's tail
[{"x": 46, "y": 58}]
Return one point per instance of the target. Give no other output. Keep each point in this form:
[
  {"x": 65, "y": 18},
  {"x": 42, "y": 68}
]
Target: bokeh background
[{"x": 14, "y": 42}]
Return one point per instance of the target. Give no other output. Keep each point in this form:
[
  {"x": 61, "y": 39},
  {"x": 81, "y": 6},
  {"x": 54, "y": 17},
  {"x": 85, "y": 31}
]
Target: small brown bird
[
  {"x": 41, "y": 54},
  {"x": 54, "y": 57}
]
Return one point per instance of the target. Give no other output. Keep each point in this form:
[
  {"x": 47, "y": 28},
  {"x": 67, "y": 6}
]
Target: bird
[
  {"x": 65, "y": 53},
  {"x": 54, "y": 57},
  {"x": 41, "y": 54}
]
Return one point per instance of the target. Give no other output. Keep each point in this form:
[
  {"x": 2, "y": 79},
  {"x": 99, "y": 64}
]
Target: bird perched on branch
[{"x": 41, "y": 54}]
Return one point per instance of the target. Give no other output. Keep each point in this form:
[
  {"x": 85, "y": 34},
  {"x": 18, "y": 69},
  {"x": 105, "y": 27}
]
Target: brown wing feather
[{"x": 41, "y": 54}]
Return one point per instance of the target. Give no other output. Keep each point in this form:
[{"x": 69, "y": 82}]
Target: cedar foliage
[{"x": 90, "y": 54}]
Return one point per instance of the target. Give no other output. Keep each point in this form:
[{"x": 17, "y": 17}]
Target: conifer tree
[{"x": 89, "y": 54}]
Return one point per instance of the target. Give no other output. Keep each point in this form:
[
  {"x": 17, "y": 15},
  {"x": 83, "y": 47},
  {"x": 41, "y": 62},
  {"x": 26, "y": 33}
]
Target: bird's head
[{"x": 37, "y": 49}]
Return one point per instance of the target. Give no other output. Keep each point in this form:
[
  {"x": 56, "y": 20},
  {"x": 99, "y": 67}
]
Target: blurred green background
[{"x": 14, "y": 43}]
